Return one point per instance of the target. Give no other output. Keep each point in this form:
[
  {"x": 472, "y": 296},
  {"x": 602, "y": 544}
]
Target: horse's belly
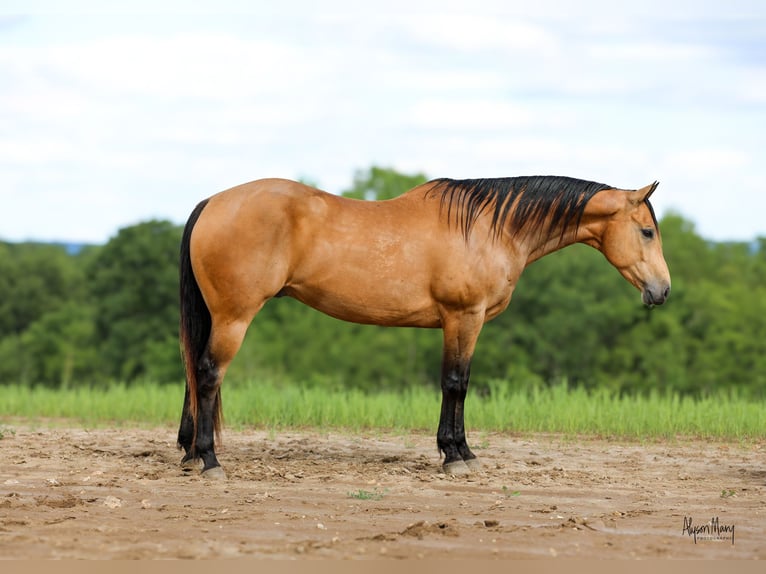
[{"x": 368, "y": 305}]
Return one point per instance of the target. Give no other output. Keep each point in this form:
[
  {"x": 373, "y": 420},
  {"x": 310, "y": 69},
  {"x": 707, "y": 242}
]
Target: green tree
[
  {"x": 378, "y": 183},
  {"x": 35, "y": 279},
  {"x": 134, "y": 290},
  {"x": 44, "y": 321},
  {"x": 59, "y": 349}
]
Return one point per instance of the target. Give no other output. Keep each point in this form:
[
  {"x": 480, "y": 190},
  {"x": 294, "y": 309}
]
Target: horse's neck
[{"x": 537, "y": 245}]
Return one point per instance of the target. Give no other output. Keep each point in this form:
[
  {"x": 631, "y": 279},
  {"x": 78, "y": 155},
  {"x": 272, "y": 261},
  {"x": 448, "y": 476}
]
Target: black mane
[{"x": 537, "y": 198}]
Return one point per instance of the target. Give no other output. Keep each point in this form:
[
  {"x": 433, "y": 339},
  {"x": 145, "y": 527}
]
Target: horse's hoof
[
  {"x": 456, "y": 468},
  {"x": 191, "y": 464},
  {"x": 473, "y": 464},
  {"x": 215, "y": 473}
]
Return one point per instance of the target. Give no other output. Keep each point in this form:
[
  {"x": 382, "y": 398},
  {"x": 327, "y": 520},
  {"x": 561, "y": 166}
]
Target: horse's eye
[{"x": 648, "y": 232}]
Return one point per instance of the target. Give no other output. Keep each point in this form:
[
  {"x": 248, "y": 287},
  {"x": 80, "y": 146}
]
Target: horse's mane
[{"x": 529, "y": 201}]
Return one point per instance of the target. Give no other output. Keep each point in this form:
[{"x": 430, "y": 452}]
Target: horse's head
[{"x": 629, "y": 237}]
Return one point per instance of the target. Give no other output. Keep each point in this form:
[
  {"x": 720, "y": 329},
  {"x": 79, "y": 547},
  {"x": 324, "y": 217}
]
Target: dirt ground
[{"x": 68, "y": 492}]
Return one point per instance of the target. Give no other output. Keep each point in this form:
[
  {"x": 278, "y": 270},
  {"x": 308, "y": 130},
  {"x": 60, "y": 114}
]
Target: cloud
[
  {"x": 203, "y": 66},
  {"x": 652, "y": 52},
  {"x": 753, "y": 86},
  {"x": 476, "y": 32},
  {"x": 113, "y": 118},
  {"x": 701, "y": 163},
  {"x": 478, "y": 114}
]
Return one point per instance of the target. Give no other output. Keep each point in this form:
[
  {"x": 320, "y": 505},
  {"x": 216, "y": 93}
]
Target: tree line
[{"x": 109, "y": 313}]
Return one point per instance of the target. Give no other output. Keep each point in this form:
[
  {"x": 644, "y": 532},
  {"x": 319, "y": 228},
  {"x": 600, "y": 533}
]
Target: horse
[{"x": 446, "y": 255}]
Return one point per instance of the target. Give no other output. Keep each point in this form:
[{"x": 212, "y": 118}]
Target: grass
[
  {"x": 362, "y": 494},
  {"x": 269, "y": 405},
  {"x": 509, "y": 493}
]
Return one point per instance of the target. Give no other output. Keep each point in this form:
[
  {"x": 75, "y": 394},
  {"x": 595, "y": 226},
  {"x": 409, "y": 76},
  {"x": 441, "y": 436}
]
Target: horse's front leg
[
  {"x": 469, "y": 458},
  {"x": 460, "y": 334}
]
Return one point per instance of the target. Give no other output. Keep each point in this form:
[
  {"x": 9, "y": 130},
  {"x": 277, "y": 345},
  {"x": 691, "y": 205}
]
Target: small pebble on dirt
[{"x": 112, "y": 502}]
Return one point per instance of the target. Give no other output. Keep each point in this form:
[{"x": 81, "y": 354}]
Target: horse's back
[
  {"x": 259, "y": 210},
  {"x": 261, "y": 196}
]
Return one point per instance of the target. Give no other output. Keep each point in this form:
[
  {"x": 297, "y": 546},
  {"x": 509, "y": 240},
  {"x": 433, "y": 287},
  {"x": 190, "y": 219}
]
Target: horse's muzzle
[{"x": 655, "y": 295}]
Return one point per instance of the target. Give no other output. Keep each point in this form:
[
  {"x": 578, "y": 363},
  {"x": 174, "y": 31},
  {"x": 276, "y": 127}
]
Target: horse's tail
[{"x": 195, "y": 321}]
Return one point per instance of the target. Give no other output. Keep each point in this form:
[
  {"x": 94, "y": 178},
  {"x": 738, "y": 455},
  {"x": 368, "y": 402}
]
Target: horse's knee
[
  {"x": 451, "y": 383},
  {"x": 455, "y": 377}
]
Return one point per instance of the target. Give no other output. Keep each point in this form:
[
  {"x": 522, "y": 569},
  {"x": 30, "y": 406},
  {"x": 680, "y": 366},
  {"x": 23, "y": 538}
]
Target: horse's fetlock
[{"x": 207, "y": 387}]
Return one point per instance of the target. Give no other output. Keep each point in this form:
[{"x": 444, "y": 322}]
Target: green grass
[
  {"x": 269, "y": 405},
  {"x": 509, "y": 493},
  {"x": 362, "y": 494}
]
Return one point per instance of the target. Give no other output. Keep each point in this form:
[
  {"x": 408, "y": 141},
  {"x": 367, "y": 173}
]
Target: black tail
[{"x": 195, "y": 320}]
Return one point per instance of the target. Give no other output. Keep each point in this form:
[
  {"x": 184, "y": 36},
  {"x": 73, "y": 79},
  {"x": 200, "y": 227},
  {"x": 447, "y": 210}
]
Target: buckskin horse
[{"x": 446, "y": 254}]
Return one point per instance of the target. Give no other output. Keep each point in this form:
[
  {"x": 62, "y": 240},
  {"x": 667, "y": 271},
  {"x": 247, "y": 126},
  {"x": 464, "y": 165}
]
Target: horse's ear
[{"x": 644, "y": 193}]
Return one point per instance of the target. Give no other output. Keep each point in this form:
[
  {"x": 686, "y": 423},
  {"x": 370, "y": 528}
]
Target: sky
[{"x": 111, "y": 117}]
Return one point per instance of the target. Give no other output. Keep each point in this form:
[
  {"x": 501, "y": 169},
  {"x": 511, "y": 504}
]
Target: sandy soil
[{"x": 120, "y": 493}]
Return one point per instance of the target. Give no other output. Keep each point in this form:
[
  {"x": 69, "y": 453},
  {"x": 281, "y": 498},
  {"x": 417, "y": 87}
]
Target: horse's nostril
[{"x": 666, "y": 292}]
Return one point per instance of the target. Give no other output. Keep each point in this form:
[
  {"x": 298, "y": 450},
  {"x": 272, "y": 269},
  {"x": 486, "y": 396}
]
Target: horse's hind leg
[
  {"x": 225, "y": 340},
  {"x": 186, "y": 433}
]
